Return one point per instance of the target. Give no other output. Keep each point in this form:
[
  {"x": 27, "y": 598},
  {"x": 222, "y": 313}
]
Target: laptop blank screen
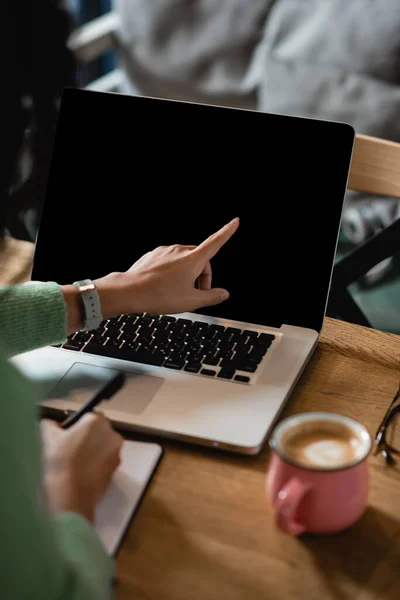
[{"x": 130, "y": 174}]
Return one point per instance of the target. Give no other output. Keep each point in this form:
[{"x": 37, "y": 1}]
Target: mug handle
[{"x": 286, "y": 504}]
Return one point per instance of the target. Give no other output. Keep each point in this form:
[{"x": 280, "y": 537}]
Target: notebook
[{"x": 117, "y": 507}]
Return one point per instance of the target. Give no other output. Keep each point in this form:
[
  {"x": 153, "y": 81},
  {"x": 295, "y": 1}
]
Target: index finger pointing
[{"x": 212, "y": 244}]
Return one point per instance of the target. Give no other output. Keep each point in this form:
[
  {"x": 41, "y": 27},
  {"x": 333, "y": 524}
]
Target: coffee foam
[{"x": 322, "y": 444}]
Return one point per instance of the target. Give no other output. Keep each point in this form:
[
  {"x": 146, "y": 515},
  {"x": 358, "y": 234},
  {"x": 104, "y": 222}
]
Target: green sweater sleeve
[
  {"x": 32, "y": 315},
  {"x": 41, "y": 556}
]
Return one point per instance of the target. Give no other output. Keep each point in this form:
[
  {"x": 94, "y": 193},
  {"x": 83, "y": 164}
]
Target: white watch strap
[{"x": 91, "y": 302}]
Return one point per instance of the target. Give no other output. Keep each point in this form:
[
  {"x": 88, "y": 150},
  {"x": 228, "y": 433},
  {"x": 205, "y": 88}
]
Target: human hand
[
  {"x": 163, "y": 281},
  {"x": 79, "y": 463}
]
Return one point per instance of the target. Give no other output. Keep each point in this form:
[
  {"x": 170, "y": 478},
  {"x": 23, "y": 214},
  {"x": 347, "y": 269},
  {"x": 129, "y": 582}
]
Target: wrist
[
  {"x": 114, "y": 298},
  {"x": 108, "y": 290},
  {"x": 64, "y": 496},
  {"x": 74, "y": 306}
]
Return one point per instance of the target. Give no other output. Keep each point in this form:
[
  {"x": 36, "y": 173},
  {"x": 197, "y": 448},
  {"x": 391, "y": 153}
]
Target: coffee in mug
[
  {"x": 317, "y": 478},
  {"x": 322, "y": 443}
]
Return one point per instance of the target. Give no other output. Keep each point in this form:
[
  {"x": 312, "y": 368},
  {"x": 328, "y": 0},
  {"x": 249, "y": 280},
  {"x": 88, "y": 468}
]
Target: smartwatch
[{"x": 91, "y": 304}]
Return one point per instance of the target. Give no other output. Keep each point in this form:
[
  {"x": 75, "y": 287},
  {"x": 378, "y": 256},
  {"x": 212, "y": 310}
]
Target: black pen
[{"x": 106, "y": 392}]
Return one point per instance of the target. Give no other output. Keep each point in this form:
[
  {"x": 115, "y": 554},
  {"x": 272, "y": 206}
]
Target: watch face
[{"x": 87, "y": 288}]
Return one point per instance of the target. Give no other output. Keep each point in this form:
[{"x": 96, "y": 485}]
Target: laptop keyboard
[{"x": 210, "y": 350}]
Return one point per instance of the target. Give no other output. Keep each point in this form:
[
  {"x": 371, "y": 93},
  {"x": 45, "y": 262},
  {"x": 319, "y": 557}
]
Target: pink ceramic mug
[{"x": 313, "y": 497}]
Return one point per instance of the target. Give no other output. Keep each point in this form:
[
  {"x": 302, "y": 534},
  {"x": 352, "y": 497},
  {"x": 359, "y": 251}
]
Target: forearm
[
  {"x": 89, "y": 568},
  {"x": 35, "y": 314},
  {"x": 31, "y": 315},
  {"x": 41, "y": 556}
]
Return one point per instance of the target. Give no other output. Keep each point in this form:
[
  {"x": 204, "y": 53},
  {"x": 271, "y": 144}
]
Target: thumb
[{"x": 211, "y": 297}]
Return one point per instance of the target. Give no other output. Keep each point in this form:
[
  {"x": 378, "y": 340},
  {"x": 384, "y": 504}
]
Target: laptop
[{"x": 132, "y": 173}]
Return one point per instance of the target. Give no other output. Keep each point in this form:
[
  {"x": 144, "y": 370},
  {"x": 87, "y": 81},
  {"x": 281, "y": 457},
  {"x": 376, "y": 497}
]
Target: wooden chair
[{"x": 375, "y": 168}]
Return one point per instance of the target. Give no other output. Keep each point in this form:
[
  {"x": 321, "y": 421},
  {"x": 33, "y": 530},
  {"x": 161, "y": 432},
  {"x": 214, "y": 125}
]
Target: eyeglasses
[{"x": 387, "y": 436}]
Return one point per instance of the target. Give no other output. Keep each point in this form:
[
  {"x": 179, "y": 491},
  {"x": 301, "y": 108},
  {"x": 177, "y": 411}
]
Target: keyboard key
[
  {"x": 227, "y": 363},
  {"x": 250, "y": 334},
  {"x": 99, "y": 336},
  {"x": 186, "y": 322},
  {"x": 266, "y": 337},
  {"x": 115, "y": 343},
  {"x": 242, "y": 378},
  {"x": 208, "y": 372},
  {"x": 248, "y": 368},
  {"x": 147, "y": 358},
  {"x": 145, "y": 333},
  {"x": 258, "y": 351},
  {"x": 177, "y": 347},
  {"x": 99, "y": 349},
  {"x": 226, "y": 373},
  {"x": 254, "y": 358},
  {"x": 160, "y": 325},
  {"x": 174, "y": 363},
  {"x": 81, "y": 336},
  {"x": 207, "y": 348},
  {"x": 199, "y": 326},
  {"x": 198, "y": 336},
  {"x": 127, "y": 337},
  {"x": 130, "y": 327},
  {"x": 112, "y": 331},
  {"x": 160, "y": 334},
  {"x": 192, "y": 367},
  {"x": 159, "y": 352},
  {"x": 214, "y": 330},
  {"x": 70, "y": 346},
  {"x": 240, "y": 355},
  {"x": 131, "y": 346},
  {"x": 211, "y": 359},
  {"x": 192, "y": 357},
  {"x": 234, "y": 334},
  {"x": 113, "y": 322},
  {"x": 225, "y": 346},
  {"x": 211, "y": 343},
  {"x": 128, "y": 321},
  {"x": 177, "y": 335}
]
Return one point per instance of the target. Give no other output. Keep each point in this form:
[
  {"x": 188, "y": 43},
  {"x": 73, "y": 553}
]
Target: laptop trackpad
[{"x": 83, "y": 380}]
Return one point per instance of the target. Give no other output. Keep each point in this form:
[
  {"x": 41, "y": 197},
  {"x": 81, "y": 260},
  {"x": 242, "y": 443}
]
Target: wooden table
[{"x": 205, "y": 529}]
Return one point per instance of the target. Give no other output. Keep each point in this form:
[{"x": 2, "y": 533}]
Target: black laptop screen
[{"x": 130, "y": 174}]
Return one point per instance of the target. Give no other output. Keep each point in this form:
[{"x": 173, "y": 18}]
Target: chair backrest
[
  {"x": 375, "y": 166},
  {"x": 375, "y": 169}
]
